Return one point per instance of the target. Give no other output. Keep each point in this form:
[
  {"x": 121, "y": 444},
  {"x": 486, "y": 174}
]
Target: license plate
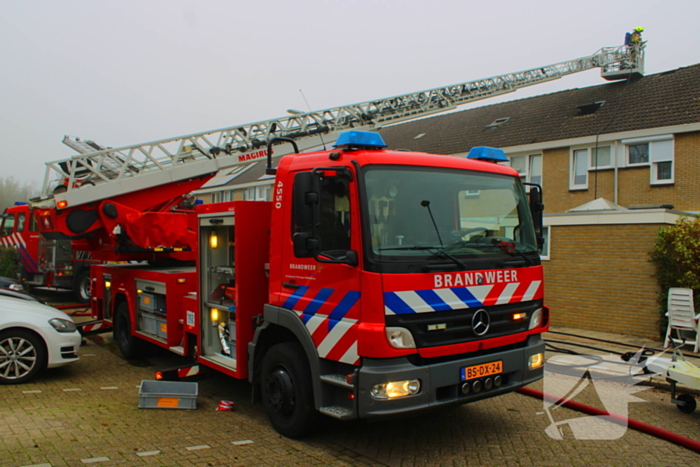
[{"x": 479, "y": 371}]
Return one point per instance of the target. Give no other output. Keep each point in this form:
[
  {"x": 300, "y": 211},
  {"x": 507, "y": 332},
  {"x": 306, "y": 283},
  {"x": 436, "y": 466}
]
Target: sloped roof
[
  {"x": 600, "y": 204},
  {"x": 658, "y": 100}
]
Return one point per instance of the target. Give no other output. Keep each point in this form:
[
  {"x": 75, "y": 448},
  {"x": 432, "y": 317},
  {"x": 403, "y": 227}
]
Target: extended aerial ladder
[{"x": 131, "y": 168}]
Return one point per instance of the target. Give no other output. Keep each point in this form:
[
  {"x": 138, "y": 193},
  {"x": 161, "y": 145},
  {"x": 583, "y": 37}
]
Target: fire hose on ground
[{"x": 624, "y": 421}]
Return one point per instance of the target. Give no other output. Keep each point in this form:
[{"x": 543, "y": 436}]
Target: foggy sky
[{"x": 127, "y": 72}]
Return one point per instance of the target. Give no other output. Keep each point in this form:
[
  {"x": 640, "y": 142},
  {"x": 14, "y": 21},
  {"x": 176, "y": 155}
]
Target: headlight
[
  {"x": 400, "y": 338},
  {"x": 396, "y": 389},
  {"x": 62, "y": 325},
  {"x": 16, "y": 287},
  {"x": 536, "y": 319}
]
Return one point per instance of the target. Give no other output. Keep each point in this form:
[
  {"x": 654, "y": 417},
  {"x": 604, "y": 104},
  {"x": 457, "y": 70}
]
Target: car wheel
[
  {"x": 23, "y": 355},
  {"x": 83, "y": 286},
  {"x": 287, "y": 390},
  {"x": 129, "y": 345}
]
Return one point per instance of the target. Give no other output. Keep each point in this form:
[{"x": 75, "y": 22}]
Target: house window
[
  {"x": 536, "y": 169},
  {"x": 529, "y": 167},
  {"x": 257, "y": 193},
  {"x": 262, "y": 193},
  {"x": 656, "y": 152},
  {"x": 493, "y": 126},
  {"x": 544, "y": 252},
  {"x": 584, "y": 160},
  {"x": 662, "y": 161},
  {"x": 579, "y": 174},
  {"x": 638, "y": 153},
  {"x": 519, "y": 163},
  {"x": 222, "y": 196},
  {"x": 601, "y": 158}
]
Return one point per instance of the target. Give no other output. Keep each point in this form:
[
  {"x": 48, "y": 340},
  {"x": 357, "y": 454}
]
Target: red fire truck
[
  {"x": 44, "y": 262},
  {"x": 375, "y": 282}
]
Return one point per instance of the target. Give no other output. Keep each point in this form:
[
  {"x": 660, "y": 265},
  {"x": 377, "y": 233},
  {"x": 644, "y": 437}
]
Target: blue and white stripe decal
[
  {"x": 424, "y": 301},
  {"x": 302, "y": 302},
  {"x": 455, "y": 298},
  {"x": 16, "y": 241}
]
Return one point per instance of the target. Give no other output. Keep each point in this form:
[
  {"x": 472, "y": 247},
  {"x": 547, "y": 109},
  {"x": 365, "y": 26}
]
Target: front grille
[{"x": 458, "y": 323}]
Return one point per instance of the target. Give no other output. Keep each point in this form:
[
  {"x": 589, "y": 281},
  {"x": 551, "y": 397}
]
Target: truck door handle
[{"x": 290, "y": 286}]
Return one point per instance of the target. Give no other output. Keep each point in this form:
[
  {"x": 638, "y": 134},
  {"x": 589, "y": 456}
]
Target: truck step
[
  {"x": 337, "y": 380},
  {"x": 93, "y": 327},
  {"x": 335, "y": 411},
  {"x": 178, "y": 350}
]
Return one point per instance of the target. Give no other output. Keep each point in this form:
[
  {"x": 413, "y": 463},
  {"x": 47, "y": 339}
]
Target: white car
[{"x": 33, "y": 337}]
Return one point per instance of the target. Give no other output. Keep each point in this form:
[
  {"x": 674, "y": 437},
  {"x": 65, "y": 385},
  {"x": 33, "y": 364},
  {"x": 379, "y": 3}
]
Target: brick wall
[
  {"x": 634, "y": 184},
  {"x": 599, "y": 277}
]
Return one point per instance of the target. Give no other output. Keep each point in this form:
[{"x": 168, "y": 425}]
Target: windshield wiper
[
  {"x": 503, "y": 245},
  {"x": 435, "y": 250}
]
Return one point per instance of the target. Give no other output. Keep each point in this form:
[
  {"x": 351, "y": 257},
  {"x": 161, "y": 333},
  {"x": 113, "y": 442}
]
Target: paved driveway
[{"x": 87, "y": 414}]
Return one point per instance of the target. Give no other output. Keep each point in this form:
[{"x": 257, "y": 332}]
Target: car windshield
[{"x": 445, "y": 214}]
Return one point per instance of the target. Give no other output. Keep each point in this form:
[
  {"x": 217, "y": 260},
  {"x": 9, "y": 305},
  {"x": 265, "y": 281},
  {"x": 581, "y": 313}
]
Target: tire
[
  {"x": 690, "y": 403},
  {"x": 23, "y": 355},
  {"x": 287, "y": 390},
  {"x": 82, "y": 286},
  {"x": 129, "y": 345}
]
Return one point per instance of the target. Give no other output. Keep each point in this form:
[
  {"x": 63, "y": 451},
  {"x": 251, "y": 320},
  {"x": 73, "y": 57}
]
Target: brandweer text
[{"x": 462, "y": 279}]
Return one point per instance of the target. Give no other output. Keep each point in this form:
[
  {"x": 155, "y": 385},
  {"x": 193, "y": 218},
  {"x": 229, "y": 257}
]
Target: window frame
[
  {"x": 654, "y": 144},
  {"x": 588, "y": 155},
  {"x": 628, "y": 155},
  {"x": 527, "y": 175},
  {"x": 546, "y": 253},
  {"x": 572, "y": 168}
]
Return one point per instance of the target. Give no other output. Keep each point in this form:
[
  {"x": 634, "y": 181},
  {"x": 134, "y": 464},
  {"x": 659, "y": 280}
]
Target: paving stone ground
[{"x": 87, "y": 414}]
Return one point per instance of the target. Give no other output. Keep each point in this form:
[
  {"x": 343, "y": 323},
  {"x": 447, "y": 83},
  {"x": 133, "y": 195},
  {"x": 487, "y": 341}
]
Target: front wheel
[
  {"x": 129, "y": 345},
  {"x": 22, "y": 356},
  {"x": 287, "y": 391}
]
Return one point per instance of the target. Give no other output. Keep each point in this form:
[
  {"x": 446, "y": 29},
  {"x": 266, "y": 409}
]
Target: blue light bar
[
  {"x": 360, "y": 139},
  {"x": 21, "y": 203},
  {"x": 485, "y": 153}
]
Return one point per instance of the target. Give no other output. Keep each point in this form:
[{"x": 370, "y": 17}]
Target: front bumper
[
  {"x": 441, "y": 383},
  {"x": 63, "y": 349}
]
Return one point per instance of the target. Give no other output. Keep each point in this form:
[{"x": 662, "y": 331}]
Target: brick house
[
  {"x": 634, "y": 143},
  {"x": 629, "y": 143}
]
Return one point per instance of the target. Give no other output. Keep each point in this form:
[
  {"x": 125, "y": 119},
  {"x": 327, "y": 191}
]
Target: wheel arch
[
  {"x": 282, "y": 325},
  {"x": 117, "y": 300}
]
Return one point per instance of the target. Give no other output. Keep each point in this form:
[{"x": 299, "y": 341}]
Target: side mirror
[
  {"x": 306, "y": 245},
  {"x": 307, "y": 200},
  {"x": 537, "y": 210}
]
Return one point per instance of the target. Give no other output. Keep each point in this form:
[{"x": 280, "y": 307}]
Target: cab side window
[
  {"x": 333, "y": 230},
  {"x": 20, "y": 222}
]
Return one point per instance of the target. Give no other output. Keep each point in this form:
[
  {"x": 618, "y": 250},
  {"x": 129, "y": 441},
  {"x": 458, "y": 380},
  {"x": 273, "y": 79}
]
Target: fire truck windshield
[{"x": 440, "y": 215}]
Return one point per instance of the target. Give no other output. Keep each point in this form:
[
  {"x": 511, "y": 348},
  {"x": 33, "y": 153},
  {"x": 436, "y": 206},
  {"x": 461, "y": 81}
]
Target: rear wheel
[
  {"x": 23, "y": 355},
  {"x": 129, "y": 345},
  {"x": 82, "y": 286},
  {"x": 287, "y": 391}
]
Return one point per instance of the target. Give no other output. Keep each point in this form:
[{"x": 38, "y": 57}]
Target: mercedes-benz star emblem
[{"x": 481, "y": 322}]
